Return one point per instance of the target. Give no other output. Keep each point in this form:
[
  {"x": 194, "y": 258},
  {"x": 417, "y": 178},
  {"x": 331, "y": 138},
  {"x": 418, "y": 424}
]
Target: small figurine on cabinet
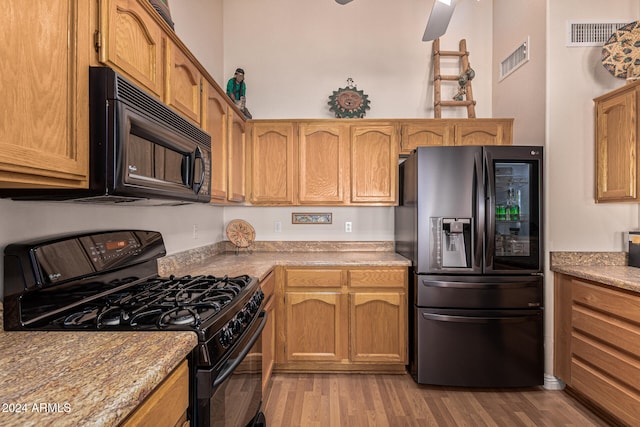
[{"x": 236, "y": 90}]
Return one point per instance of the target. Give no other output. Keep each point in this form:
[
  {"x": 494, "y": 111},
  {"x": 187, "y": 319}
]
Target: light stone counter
[
  {"x": 258, "y": 264},
  {"x": 609, "y": 268},
  {"x": 83, "y": 378}
]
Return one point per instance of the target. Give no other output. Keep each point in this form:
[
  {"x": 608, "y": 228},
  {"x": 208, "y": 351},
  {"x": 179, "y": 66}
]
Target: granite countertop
[
  {"x": 258, "y": 264},
  {"x": 83, "y": 378},
  {"x": 609, "y": 268}
]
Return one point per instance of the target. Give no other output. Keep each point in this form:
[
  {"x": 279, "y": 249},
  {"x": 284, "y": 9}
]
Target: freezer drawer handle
[
  {"x": 467, "y": 319},
  {"x": 444, "y": 284}
]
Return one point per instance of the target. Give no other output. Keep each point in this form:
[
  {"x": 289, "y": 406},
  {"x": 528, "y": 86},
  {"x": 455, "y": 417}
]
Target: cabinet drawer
[
  {"x": 612, "y": 331},
  {"x": 314, "y": 278},
  {"x": 614, "y": 302},
  {"x": 615, "y": 398},
  {"x": 378, "y": 278},
  {"x": 618, "y": 366}
]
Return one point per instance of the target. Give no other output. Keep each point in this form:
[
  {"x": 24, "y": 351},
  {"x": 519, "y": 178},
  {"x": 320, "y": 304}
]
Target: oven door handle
[{"x": 232, "y": 366}]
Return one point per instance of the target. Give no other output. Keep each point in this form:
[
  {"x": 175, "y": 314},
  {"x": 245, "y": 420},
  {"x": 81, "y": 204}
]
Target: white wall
[
  {"x": 297, "y": 52},
  {"x": 522, "y": 93},
  {"x": 368, "y": 223},
  {"x": 575, "y": 76},
  {"x": 199, "y": 25}
]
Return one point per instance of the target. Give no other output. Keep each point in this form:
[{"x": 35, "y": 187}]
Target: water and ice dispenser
[{"x": 452, "y": 241}]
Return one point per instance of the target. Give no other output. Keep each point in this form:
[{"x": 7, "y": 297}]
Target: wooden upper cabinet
[
  {"x": 323, "y": 163},
  {"x": 374, "y": 164},
  {"x": 44, "y": 123},
  {"x": 433, "y": 132},
  {"x": 272, "y": 163},
  {"x": 237, "y": 157},
  {"x": 184, "y": 84},
  {"x": 483, "y": 132},
  {"x": 215, "y": 123},
  {"x": 427, "y": 132},
  {"x": 617, "y": 145},
  {"x": 132, "y": 42}
]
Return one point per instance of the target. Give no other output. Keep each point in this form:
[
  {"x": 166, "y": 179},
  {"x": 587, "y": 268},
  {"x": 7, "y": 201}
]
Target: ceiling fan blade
[
  {"x": 343, "y": 1},
  {"x": 439, "y": 19}
]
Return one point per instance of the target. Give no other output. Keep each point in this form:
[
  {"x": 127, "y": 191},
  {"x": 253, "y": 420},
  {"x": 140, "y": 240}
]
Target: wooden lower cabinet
[
  {"x": 268, "y": 338},
  {"x": 167, "y": 405},
  {"x": 342, "y": 319},
  {"x": 597, "y": 345}
]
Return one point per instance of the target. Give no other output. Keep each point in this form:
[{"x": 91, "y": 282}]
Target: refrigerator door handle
[
  {"x": 490, "y": 223},
  {"x": 480, "y": 212}
]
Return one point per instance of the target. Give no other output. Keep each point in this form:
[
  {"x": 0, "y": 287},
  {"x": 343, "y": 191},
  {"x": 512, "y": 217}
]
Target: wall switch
[
  {"x": 347, "y": 227},
  {"x": 195, "y": 231},
  {"x": 277, "y": 226}
]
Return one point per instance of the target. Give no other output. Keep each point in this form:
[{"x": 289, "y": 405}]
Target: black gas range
[{"x": 108, "y": 281}]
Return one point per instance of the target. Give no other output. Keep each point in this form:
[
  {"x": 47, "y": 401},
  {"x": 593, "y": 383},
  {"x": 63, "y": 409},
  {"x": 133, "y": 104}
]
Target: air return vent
[
  {"x": 591, "y": 33},
  {"x": 515, "y": 60}
]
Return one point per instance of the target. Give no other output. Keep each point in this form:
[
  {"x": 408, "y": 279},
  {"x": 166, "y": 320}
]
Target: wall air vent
[
  {"x": 514, "y": 60},
  {"x": 591, "y": 33}
]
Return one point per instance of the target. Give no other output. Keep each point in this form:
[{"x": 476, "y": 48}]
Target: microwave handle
[{"x": 197, "y": 185}]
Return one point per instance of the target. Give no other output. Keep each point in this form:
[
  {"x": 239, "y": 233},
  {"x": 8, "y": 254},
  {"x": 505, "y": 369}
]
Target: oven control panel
[{"x": 234, "y": 327}]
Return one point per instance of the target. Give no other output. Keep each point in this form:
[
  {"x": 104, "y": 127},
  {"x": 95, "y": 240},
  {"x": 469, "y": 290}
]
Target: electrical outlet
[
  {"x": 347, "y": 227},
  {"x": 277, "y": 226},
  {"x": 195, "y": 231}
]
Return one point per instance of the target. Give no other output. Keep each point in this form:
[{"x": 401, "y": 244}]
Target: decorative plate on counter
[
  {"x": 241, "y": 233},
  {"x": 622, "y": 51}
]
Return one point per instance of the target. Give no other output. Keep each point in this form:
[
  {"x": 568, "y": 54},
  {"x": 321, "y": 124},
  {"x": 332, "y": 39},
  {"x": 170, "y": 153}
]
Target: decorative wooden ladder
[{"x": 463, "y": 54}]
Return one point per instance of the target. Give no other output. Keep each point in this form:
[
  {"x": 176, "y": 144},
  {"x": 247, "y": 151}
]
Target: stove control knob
[
  {"x": 236, "y": 326},
  {"x": 226, "y": 337},
  {"x": 242, "y": 317}
]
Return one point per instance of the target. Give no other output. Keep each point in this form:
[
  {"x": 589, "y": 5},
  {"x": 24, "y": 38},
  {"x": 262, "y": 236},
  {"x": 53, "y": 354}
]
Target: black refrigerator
[{"x": 470, "y": 220}]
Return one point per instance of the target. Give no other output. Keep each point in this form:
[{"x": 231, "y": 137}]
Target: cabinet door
[
  {"x": 215, "y": 123},
  {"x": 482, "y": 132},
  {"x": 132, "y": 42},
  {"x": 44, "y": 123},
  {"x": 377, "y": 325},
  {"x": 562, "y": 328},
  {"x": 272, "y": 163},
  {"x": 323, "y": 164},
  {"x": 617, "y": 148},
  {"x": 429, "y": 132},
  {"x": 315, "y": 329},
  {"x": 374, "y": 164},
  {"x": 184, "y": 84},
  {"x": 237, "y": 143}
]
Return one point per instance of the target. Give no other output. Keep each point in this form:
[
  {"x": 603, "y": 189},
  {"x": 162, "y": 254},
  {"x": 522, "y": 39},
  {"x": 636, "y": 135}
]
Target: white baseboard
[{"x": 552, "y": 383}]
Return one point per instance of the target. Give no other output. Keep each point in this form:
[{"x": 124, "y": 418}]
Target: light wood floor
[{"x": 309, "y": 400}]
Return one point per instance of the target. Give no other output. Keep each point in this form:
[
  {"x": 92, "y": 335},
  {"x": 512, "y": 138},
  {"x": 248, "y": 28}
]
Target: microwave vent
[
  {"x": 134, "y": 96},
  {"x": 581, "y": 33}
]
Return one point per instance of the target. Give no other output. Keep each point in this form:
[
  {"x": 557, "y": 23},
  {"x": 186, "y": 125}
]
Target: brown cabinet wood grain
[
  {"x": 343, "y": 319},
  {"x": 597, "y": 345},
  {"x": 617, "y": 163},
  {"x": 272, "y": 163},
  {"x": 44, "y": 122},
  {"x": 268, "y": 337},
  {"x": 374, "y": 164},
  {"x": 323, "y": 164},
  {"x": 183, "y": 89},
  {"x": 167, "y": 405},
  {"x": 133, "y": 42},
  {"x": 237, "y": 190}
]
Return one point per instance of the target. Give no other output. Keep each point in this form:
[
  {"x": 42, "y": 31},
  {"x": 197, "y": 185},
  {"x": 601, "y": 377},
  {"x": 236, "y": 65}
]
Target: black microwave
[{"x": 141, "y": 151}]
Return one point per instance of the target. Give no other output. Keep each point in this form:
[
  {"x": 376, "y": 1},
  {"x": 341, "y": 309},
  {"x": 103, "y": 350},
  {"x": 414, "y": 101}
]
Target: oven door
[
  {"x": 231, "y": 395},
  {"x": 154, "y": 159}
]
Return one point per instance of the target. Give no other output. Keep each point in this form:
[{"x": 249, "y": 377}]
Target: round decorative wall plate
[
  {"x": 622, "y": 51},
  {"x": 241, "y": 233},
  {"x": 349, "y": 102}
]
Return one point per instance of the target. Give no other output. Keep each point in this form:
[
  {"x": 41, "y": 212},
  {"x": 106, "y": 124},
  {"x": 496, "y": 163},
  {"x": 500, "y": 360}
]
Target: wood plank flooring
[{"x": 354, "y": 400}]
